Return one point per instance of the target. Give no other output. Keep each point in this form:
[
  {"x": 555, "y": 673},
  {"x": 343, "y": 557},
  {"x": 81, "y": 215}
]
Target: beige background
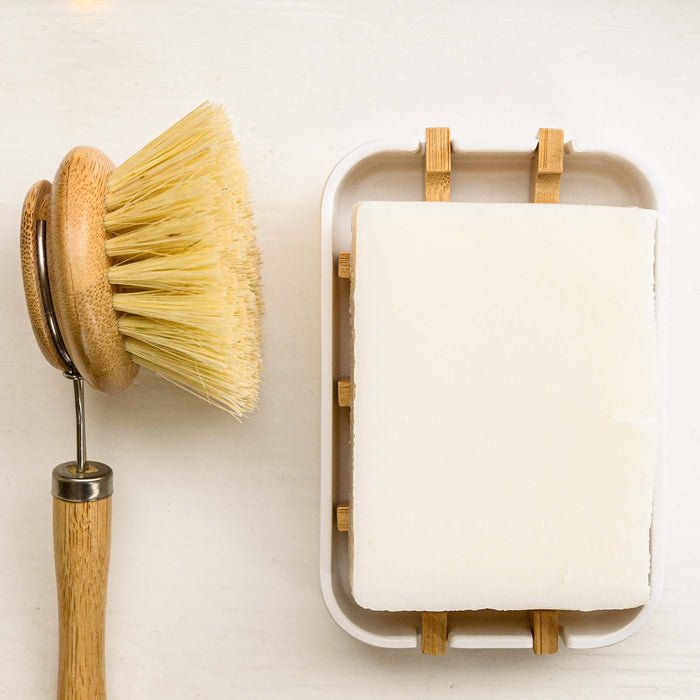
[{"x": 214, "y": 583}]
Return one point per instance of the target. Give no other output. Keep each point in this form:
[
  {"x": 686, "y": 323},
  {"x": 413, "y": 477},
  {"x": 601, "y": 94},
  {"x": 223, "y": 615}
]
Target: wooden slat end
[
  {"x": 344, "y": 266},
  {"x": 344, "y": 392},
  {"x": 434, "y": 633},
  {"x": 547, "y": 166},
  {"x": 342, "y": 516},
  {"x": 545, "y": 631},
  {"x": 438, "y": 164},
  {"x": 550, "y": 151}
]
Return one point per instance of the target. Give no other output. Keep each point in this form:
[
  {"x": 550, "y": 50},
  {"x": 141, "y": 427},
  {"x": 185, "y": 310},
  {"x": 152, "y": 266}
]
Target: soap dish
[{"x": 394, "y": 169}]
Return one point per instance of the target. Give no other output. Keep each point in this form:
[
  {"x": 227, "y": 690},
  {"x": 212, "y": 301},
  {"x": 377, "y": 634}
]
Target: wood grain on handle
[{"x": 81, "y": 550}]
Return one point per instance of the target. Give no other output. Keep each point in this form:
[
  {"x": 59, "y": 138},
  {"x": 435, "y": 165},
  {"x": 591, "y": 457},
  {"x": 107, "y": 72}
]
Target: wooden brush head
[{"x": 74, "y": 208}]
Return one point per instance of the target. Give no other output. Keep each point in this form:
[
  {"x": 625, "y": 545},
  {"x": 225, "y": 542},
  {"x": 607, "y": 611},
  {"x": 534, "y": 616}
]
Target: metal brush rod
[
  {"x": 79, "y": 395},
  {"x": 46, "y": 299},
  {"x": 72, "y": 372}
]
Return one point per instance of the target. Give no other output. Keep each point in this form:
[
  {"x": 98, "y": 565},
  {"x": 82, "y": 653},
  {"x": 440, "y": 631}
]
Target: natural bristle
[{"x": 186, "y": 264}]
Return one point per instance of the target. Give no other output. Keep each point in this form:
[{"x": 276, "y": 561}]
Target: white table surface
[{"x": 214, "y": 588}]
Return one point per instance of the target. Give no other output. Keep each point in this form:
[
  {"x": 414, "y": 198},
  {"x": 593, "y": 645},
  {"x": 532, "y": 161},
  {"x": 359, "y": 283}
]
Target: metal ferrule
[{"x": 68, "y": 484}]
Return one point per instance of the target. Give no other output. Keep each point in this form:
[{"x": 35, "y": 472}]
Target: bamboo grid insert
[{"x": 546, "y": 171}]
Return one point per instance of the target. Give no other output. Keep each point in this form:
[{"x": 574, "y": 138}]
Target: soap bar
[{"x": 506, "y": 406}]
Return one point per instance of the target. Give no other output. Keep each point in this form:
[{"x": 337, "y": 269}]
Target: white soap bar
[{"x": 506, "y": 406}]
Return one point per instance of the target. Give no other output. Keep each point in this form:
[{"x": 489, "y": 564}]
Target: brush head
[{"x": 157, "y": 264}]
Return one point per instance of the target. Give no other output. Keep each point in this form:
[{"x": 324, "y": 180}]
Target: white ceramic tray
[{"x": 394, "y": 170}]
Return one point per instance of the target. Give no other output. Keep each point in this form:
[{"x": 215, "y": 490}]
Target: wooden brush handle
[{"x": 81, "y": 549}]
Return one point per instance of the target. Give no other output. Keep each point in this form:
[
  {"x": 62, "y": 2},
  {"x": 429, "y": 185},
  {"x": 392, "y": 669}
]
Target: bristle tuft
[{"x": 186, "y": 264}]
